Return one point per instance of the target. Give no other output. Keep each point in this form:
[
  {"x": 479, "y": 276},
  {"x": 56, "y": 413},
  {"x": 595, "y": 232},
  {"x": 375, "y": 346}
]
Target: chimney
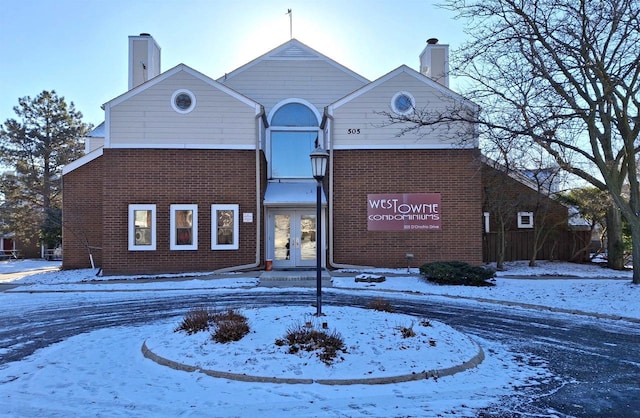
[
  {"x": 434, "y": 62},
  {"x": 144, "y": 59}
]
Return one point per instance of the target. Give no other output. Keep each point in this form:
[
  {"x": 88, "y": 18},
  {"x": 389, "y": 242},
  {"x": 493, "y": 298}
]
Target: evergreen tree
[{"x": 46, "y": 135}]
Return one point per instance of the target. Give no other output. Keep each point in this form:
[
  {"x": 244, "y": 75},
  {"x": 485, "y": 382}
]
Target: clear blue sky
[{"x": 80, "y": 47}]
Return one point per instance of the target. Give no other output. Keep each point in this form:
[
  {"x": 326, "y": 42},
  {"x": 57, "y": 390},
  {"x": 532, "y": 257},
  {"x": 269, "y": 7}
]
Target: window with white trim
[
  {"x": 403, "y": 103},
  {"x": 225, "y": 227},
  {"x": 183, "y": 101},
  {"x": 525, "y": 219},
  {"x": 184, "y": 227},
  {"x": 294, "y": 133},
  {"x": 485, "y": 219},
  {"x": 142, "y": 227}
]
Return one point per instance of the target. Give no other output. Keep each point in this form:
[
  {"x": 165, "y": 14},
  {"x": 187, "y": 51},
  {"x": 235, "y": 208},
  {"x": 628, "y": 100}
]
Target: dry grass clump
[
  {"x": 406, "y": 332},
  {"x": 196, "y": 320},
  {"x": 380, "y": 304},
  {"x": 305, "y": 338},
  {"x": 228, "y": 325}
]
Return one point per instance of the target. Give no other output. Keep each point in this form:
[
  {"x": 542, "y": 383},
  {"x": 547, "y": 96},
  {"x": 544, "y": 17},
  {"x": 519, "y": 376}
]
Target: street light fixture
[{"x": 319, "y": 158}]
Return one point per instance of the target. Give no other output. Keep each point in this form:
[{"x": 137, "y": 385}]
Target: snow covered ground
[
  {"x": 581, "y": 287},
  {"x": 103, "y": 373}
]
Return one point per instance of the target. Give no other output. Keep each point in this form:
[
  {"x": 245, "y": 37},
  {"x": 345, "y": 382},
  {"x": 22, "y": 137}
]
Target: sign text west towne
[{"x": 403, "y": 212}]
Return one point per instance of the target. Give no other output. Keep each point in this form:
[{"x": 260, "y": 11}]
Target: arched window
[
  {"x": 294, "y": 114},
  {"x": 294, "y": 135}
]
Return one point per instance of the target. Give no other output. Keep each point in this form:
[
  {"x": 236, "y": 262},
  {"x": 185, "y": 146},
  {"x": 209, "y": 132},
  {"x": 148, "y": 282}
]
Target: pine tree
[{"x": 46, "y": 136}]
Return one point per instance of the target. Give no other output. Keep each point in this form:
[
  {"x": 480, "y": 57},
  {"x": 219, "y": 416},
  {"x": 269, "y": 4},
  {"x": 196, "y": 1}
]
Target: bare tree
[
  {"x": 500, "y": 207},
  {"x": 564, "y": 75},
  {"x": 542, "y": 180}
]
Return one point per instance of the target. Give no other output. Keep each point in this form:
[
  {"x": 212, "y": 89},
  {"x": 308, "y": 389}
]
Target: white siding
[
  {"x": 271, "y": 81},
  {"x": 368, "y": 129},
  {"x": 139, "y": 55},
  {"x": 148, "y": 119},
  {"x": 92, "y": 144}
]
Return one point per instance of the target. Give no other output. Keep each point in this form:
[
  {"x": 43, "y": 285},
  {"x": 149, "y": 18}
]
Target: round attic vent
[
  {"x": 403, "y": 103},
  {"x": 183, "y": 101}
]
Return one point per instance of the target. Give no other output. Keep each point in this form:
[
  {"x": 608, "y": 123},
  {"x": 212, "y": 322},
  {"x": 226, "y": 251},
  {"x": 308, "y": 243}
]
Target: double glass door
[{"x": 294, "y": 238}]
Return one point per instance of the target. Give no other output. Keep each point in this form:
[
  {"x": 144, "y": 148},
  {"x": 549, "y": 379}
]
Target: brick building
[{"x": 189, "y": 173}]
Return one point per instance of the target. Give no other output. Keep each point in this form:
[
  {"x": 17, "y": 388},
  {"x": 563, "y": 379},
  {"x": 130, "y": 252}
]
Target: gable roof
[
  {"x": 97, "y": 132},
  {"x": 521, "y": 177},
  {"x": 413, "y": 73},
  {"x": 178, "y": 68},
  {"x": 292, "y": 50}
]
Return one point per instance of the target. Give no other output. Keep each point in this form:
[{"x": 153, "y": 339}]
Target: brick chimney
[
  {"x": 434, "y": 62},
  {"x": 144, "y": 59}
]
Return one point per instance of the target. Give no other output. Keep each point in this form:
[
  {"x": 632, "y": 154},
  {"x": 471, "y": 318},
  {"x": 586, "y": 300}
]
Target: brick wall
[
  {"x": 82, "y": 215},
  {"x": 453, "y": 173},
  {"x": 160, "y": 177}
]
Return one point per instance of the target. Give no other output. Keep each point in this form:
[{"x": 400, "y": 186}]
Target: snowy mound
[{"x": 374, "y": 345}]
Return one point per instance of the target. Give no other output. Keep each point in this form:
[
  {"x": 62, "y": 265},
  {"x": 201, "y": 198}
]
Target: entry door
[{"x": 294, "y": 239}]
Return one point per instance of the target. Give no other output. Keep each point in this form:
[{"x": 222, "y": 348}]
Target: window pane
[
  {"x": 294, "y": 114},
  {"x": 282, "y": 240},
  {"x": 184, "y": 218},
  {"x": 290, "y": 153},
  {"x": 308, "y": 237},
  {"x": 183, "y": 236},
  {"x": 225, "y": 227},
  {"x": 403, "y": 103},
  {"x": 184, "y": 222},
  {"x": 142, "y": 218},
  {"x": 142, "y": 227}
]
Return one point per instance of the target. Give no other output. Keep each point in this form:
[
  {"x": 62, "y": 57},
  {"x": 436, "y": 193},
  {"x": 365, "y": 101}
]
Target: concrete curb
[{"x": 436, "y": 373}]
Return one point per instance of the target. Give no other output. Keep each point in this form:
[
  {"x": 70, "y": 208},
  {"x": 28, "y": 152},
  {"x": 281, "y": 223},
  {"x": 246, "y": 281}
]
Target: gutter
[
  {"x": 329, "y": 117},
  {"x": 260, "y": 116}
]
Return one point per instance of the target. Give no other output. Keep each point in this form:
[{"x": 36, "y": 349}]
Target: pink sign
[{"x": 403, "y": 212}]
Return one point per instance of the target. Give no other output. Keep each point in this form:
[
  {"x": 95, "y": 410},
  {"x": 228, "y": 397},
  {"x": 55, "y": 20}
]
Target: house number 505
[{"x": 353, "y": 131}]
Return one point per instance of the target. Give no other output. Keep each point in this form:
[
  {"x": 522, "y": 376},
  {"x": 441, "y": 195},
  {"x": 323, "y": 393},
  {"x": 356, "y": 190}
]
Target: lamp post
[{"x": 319, "y": 158}]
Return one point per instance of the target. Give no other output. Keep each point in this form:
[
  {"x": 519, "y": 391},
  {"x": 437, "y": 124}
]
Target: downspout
[
  {"x": 332, "y": 263},
  {"x": 259, "y": 117}
]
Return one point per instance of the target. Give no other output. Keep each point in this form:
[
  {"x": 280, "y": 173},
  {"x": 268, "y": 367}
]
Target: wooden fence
[{"x": 561, "y": 245}]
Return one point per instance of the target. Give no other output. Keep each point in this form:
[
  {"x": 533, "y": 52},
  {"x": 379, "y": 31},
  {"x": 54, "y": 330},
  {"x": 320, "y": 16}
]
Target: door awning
[{"x": 292, "y": 194}]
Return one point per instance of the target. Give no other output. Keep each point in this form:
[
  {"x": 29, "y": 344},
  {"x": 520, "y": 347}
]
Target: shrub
[
  {"x": 230, "y": 315},
  {"x": 302, "y": 338},
  {"x": 229, "y": 326},
  {"x": 457, "y": 273},
  {"x": 380, "y": 304},
  {"x": 425, "y": 323},
  {"x": 406, "y": 332},
  {"x": 195, "y": 320}
]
